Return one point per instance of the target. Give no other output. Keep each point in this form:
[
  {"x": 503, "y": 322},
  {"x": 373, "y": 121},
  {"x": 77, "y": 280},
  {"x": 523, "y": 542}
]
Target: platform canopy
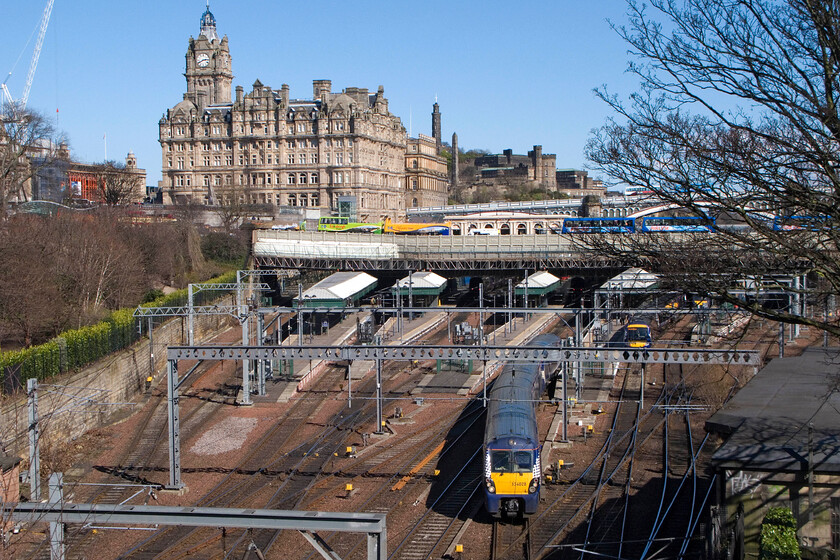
[
  {"x": 539, "y": 284},
  {"x": 632, "y": 279},
  {"x": 422, "y": 284},
  {"x": 338, "y": 290}
]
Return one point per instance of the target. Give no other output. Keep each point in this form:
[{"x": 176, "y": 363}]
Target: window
[
  {"x": 339, "y": 143},
  {"x": 268, "y": 159},
  {"x": 241, "y": 159},
  {"x": 290, "y": 144},
  {"x": 302, "y": 158},
  {"x": 313, "y": 178},
  {"x": 313, "y": 158},
  {"x": 217, "y": 161},
  {"x": 302, "y": 179},
  {"x": 180, "y": 163},
  {"x": 414, "y": 184},
  {"x": 337, "y": 178},
  {"x": 292, "y": 200},
  {"x": 207, "y": 180},
  {"x": 303, "y": 200},
  {"x": 290, "y": 179},
  {"x": 217, "y": 180},
  {"x": 339, "y": 158},
  {"x": 291, "y": 158},
  {"x": 254, "y": 159}
]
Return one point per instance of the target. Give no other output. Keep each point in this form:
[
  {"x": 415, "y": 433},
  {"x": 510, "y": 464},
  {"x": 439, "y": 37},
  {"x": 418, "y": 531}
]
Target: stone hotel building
[{"x": 265, "y": 147}]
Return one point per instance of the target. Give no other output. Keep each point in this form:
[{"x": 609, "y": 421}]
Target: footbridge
[{"x": 348, "y": 251}]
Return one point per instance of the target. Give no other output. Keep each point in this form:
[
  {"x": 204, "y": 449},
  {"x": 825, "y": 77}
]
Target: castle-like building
[{"x": 264, "y": 147}]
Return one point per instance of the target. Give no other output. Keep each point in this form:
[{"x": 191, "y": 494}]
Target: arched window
[
  {"x": 292, "y": 200},
  {"x": 414, "y": 202},
  {"x": 521, "y": 229},
  {"x": 504, "y": 229},
  {"x": 539, "y": 229},
  {"x": 303, "y": 178}
]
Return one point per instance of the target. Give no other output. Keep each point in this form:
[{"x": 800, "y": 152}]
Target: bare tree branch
[{"x": 737, "y": 117}]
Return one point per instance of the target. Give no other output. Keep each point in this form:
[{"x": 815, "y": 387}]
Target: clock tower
[{"x": 208, "y": 74}]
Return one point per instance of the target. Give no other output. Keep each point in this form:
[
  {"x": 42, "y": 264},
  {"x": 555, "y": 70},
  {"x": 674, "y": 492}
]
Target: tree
[
  {"x": 27, "y": 141},
  {"x": 117, "y": 185},
  {"x": 232, "y": 205},
  {"x": 737, "y": 115}
]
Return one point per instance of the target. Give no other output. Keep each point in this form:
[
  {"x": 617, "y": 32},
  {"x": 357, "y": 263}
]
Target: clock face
[{"x": 202, "y": 60}]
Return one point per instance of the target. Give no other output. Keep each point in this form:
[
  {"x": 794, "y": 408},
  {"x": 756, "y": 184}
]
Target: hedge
[
  {"x": 76, "y": 348},
  {"x": 778, "y": 536}
]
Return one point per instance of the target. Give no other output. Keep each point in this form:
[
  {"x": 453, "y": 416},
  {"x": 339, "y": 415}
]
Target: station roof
[
  {"x": 338, "y": 289},
  {"x": 630, "y": 280},
  {"x": 767, "y": 421},
  {"x": 539, "y": 284},
  {"x": 422, "y": 284}
]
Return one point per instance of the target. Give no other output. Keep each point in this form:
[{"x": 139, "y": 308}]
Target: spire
[{"x": 208, "y": 25}]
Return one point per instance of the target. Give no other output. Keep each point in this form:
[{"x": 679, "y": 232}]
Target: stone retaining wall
[{"x": 69, "y": 405}]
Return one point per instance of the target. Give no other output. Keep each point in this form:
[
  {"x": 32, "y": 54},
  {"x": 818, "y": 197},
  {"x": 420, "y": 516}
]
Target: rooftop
[{"x": 767, "y": 422}]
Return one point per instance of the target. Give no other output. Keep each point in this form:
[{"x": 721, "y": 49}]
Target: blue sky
[{"x": 506, "y": 75}]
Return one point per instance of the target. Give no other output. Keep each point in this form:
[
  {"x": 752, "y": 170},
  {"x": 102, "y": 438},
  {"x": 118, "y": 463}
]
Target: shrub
[
  {"x": 778, "y": 536},
  {"x": 87, "y": 344}
]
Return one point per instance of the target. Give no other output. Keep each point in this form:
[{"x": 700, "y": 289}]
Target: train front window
[
  {"x": 637, "y": 334},
  {"x": 523, "y": 461},
  {"x": 512, "y": 461},
  {"x": 500, "y": 461}
]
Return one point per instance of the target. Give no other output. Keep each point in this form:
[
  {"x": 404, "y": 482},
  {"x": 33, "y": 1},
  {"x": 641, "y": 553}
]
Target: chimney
[{"x": 239, "y": 91}]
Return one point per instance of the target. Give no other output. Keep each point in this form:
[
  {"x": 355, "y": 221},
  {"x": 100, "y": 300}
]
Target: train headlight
[
  {"x": 535, "y": 483},
  {"x": 491, "y": 488}
]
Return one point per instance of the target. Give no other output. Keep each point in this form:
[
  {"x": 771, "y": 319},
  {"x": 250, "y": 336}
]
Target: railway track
[{"x": 127, "y": 481}]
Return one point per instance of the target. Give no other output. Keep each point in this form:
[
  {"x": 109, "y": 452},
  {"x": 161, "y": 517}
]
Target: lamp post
[
  {"x": 494, "y": 319},
  {"x": 410, "y": 299}
]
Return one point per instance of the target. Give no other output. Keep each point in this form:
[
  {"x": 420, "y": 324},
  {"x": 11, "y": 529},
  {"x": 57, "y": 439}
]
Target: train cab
[
  {"x": 512, "y": 477},
  {"x": 637, "y": 335}
]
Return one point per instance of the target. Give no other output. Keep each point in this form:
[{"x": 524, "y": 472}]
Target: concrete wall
[{"x": 72, "y": 404}]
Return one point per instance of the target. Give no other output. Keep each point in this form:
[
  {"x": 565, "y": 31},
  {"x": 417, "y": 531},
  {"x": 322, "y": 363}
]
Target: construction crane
[{"x": 36, "y": 54}]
